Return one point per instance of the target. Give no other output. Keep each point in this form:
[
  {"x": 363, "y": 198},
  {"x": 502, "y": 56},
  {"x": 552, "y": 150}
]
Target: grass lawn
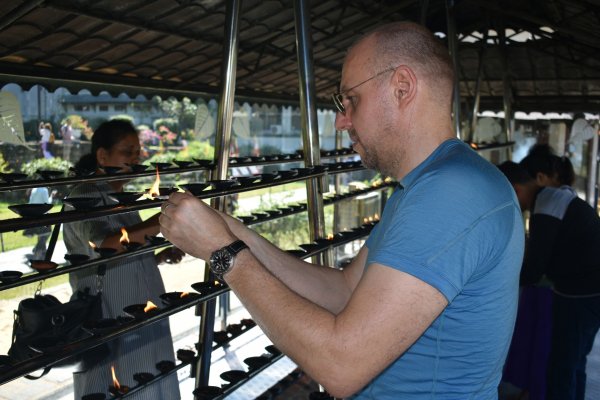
[{"x": 16, "y": 240}]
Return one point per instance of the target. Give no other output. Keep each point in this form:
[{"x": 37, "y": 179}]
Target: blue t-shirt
[{"x": 454, "y": 222}]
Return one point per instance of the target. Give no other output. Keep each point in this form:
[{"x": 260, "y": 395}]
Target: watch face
[{"x": 220, "y": 261}]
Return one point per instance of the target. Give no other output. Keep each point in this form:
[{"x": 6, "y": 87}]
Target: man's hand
[{"x": 193, "y": 226}]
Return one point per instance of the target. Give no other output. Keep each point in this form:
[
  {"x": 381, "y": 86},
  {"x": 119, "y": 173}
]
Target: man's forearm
[{"x": 324, "y": 286}]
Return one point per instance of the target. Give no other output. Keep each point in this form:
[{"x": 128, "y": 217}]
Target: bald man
[{"x": 427, "y": 307}]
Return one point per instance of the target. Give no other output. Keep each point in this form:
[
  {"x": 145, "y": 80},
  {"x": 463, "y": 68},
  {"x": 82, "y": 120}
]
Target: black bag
[{"x": 44, "y": 325}]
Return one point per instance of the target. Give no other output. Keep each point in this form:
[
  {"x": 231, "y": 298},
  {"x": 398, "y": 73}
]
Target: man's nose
[{"x": 342, "y": 121}]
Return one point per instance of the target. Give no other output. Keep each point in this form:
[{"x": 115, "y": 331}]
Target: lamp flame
[
  {"x": 330, "y": 236},
  {"x": 183, "y": 294},
  {"x": 92, "y": 245},
  {"x": 376, "y": 217},
  {"x": 116, "y": 383},
  {"x": 124, "y": 236},
  {"x": 154, "y": 189},
  {"x": 150, "y": 306}
]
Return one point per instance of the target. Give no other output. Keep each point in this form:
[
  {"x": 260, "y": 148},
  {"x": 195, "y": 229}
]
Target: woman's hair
[
  {"x": 565, "y": 173},
  {"x": 541, "y": 158},
  {"x": 515, "y": 173},
  {"x": 536, "y": 162},
  {"x": 107, "y": 135},
  {"x": 48, "y": 126}
]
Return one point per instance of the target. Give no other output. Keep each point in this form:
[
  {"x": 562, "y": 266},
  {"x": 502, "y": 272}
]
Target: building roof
[{"x": 550, "y": 48}]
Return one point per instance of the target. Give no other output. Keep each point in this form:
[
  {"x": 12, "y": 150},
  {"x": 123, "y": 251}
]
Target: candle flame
[
  {"x": 473, "y": 145},
  {"x": 183, "y": 294},
  {"x": 217, "y": 283},
  {"x": 92, "y": 245},
  {"x": 330, "y": 236},
  {"x": 150, "y": 306},
  {"x": 116, "y": 383},
  {"x": 365, "y": 220},
  {"x": 370, "y": 219},
  {"x": 124, "y": 236},
  {"x": 154, "y": 189},
  {"x": 376, "y": 217}
]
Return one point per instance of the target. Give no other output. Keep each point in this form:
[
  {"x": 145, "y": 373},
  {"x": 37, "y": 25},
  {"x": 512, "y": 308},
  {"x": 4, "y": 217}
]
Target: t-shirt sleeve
[{"x": 440, "y": 236}]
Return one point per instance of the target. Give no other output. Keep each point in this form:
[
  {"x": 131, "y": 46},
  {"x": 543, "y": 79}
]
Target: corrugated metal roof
[{"x": 177, "y": 46}]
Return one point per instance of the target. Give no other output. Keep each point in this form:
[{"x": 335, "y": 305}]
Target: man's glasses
[{"x": 338, "y": 98}]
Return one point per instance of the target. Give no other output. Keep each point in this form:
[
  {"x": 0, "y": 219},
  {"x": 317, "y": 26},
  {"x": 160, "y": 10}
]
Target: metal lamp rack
[
  {"x": 59, "y": 353},
  {"x": 54, "y": 356}
]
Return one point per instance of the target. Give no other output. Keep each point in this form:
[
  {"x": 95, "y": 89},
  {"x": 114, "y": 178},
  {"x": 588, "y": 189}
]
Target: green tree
[
  {"x": 4, "y": 166},
  {"x": 55, "y": 163},
  {"x": 183, "y": 111}
]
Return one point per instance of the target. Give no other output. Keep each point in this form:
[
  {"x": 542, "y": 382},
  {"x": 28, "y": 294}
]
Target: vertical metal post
[
  {"x": 453, "y": 48},
  {"x": 337, "y": 206},
  {"x": 478, "y": 88},
  {"x": 593, "y": 171},
  {"x": 507, "y": 95},
  {"x": 223, "y": 138},
  {"x": 308, "y": 110}
]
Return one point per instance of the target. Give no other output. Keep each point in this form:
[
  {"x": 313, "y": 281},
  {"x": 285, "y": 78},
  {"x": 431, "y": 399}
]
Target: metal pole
[
  {"x": 507, "y": 96},
  {"x": 453, "y": 48},
  {"x": 478, "y": 88},
  {"x": 310, "y": 131},
  {"x": 222, "y": 140},
  {"x": 593, "y": 171}
]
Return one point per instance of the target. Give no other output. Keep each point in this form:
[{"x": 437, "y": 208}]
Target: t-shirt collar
[{"x": 412, "y": 176}]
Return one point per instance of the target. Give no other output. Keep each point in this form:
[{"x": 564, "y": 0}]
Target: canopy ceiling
[{"x": 176, "y": 46}]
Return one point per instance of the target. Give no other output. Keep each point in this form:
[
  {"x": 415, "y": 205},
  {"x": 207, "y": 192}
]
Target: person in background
[
  {"x": 563, "y": 245},
  {"x": 132, "y": 280},
  {"x": 40, "y": 195},
  {"x": 427, "y": 307},
  {"x": 45, "y": 131},
  {"x": 66, "y": 132},
  {"x": 547, "y": 168}
]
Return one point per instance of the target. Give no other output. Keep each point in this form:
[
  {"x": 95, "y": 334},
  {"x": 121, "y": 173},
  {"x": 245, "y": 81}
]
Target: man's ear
[{"x": 405, "y": 83}]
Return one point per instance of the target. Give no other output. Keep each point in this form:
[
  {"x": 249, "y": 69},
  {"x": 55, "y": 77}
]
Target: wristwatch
[{"x": 221, "y": 260}]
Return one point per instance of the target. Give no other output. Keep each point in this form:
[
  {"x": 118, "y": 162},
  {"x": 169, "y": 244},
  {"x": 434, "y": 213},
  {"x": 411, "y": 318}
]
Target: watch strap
[{"x": 237, "y": 246}]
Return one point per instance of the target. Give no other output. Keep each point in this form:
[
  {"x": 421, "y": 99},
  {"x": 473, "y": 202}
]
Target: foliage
[
  {"x": 55, "y": 163},
  {"x": 197, "y": 149},
  {"x": 148, "y": 136},
  {"x": 183, "y": 112},
  {"x": 78, "y": 122},
  {"x": 268, "y": 150},
  {"x": 166, "y": 135},
  {"x": 286, "y": 232},
  {"x": 126, "y": 117},
  {"x": 167, "y": 157},
  {"x": 4, "y": 166},
  {"x": 170, "y": 124}
]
